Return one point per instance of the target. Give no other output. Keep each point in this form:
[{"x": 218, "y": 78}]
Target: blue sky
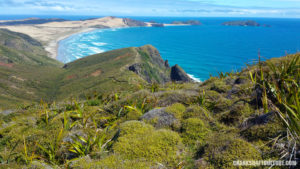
[{"x": 211, "y": 8}]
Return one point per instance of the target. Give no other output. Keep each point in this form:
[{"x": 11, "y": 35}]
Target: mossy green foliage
[
  {"x": 176, "y": 109},
  {"x": 238, "y": 113},
  {"x": 141, "y": 141},
  {"x": 115, "y": 161},
  {"x": 264, "y": 132},
  {"x": 194, "y": 131},
  {"x": 223, "y": 149}
]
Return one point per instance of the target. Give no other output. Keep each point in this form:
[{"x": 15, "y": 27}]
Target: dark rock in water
[
  {"x": 178, "y": 74},
  {"x": 157, "y": 25},
  {"x": 160, "y": 118},
  {"x": 190, "y": 22},
  {"x": 131, "y": 22},
  {"x": 241, "y": 23}
]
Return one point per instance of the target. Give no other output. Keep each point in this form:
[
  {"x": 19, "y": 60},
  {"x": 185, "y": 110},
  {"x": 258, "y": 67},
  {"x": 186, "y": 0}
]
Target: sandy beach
[{"x": 49, "y": 34}]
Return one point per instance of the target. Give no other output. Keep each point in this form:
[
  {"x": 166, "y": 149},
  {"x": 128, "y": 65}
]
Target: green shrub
[
  {"x": 140, "y": 141},
  {"x": 220, "y": 105},
  {"x": 264, "y": 132},
  {"x": 133, "y": 115},
  {"x": 238, "y": 113},
  {"x": 135, "y": 128},
  {"x": 196, "y": 111},
  {"x": 176, "y": 109},
  {"x": 223, "y": 149},
  {"x": 93, "y": 102},
  {"x": 220, "y": 86},
  {"x": 116, "y": 161},
  {"x": 194, "y": 130}
]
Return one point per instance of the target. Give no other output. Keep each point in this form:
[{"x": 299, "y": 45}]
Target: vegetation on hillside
[{"x": 248, "y": 115}]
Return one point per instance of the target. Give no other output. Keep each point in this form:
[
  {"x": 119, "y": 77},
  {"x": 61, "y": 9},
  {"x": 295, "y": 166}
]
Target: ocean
[{"x": 200, "y": 50}]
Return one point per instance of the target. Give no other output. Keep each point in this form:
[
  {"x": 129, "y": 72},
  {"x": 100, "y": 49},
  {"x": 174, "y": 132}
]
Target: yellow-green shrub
[
  {"x": 116, "y": 161},
  {"x": 223, "y": 149},
  {"x": 176, "y": 109},
  {"x": 194, "y": 130},
  {"x": 140, "y": 141}
]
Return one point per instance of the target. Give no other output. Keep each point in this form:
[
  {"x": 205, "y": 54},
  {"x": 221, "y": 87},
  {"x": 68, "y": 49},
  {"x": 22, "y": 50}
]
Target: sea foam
[
  {"x": 96, "y": 50},
  {"x": 194, "y": 78},
  {"x": 99, "y": 43}
]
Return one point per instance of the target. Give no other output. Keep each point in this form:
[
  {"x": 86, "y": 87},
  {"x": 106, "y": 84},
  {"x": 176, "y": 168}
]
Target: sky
[{"x": 184, "y": 8}]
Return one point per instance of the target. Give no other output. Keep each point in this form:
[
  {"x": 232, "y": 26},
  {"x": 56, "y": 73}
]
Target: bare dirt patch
[
  {"x": 122, "y": 56},
  {"x": 9, "y": 65},
  {"x": 96, "y": 73}
]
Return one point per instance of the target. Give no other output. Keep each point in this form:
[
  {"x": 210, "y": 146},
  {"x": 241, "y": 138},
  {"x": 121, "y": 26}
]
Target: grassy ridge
[
  {"x": 27, "y": 75},
  {"x": 20, "y": 48}
]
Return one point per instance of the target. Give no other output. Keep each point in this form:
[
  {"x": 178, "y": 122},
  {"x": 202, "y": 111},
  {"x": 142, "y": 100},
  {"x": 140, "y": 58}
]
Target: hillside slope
[
  {"x": 20, "y": 48},
  {"x": 236, "y": 116},
  {"x": 28, "y": 75}
]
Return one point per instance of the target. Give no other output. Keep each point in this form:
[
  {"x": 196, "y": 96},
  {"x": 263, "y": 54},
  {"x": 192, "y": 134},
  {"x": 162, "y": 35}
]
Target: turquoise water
[{"x": 201, "y": 50}]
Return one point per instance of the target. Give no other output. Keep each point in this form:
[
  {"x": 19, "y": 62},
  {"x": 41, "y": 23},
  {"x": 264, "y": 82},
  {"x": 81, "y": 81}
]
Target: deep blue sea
[{"x": 201, "y": 50}]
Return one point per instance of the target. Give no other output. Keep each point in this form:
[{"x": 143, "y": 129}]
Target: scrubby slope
[{"x": 192, "y": 125}]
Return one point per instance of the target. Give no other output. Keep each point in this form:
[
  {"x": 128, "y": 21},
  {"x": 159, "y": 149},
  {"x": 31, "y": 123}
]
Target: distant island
[
  {"x": 30, "y": 21},
  {"x": 241, "y": 23},
  {"x": 244, "y": 23},
  {"x": 189, "y": 22}
]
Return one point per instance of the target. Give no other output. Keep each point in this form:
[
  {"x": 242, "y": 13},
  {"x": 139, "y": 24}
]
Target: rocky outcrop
[
  {"x": 153, "y": 68},
  {"x": 178, "y": 74},
  {"x": 241, "y": 23},
  {"x": 132, "y": 23},
  {"x": 159, "y": 118}
]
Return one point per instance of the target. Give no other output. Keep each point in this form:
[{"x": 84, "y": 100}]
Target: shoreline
[
  {"x": 54, "y": 52},
  {"x": 50, "y": 46}
]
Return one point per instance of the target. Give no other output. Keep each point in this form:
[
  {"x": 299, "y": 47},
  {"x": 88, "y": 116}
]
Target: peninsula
[{"x": 50, "y": 31}]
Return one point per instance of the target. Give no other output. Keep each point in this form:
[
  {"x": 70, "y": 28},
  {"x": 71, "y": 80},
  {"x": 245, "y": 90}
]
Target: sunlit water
[{"x": 201, "y": 50}]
